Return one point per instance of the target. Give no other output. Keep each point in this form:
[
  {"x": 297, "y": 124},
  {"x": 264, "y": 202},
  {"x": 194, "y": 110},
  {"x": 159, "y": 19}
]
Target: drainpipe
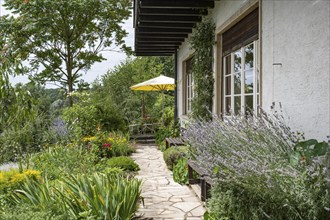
[{"x": 176, "y": 88}]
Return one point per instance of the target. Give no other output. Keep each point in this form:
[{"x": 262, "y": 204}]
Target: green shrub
[
  {"x": 123, "y": 162},
  {"x": 13, "y": 179},
  {"x": 100, "y": 196},
  {"x": 165, "y": 131},
  {"x": 173, "y": 154},
  {"x": 81, "y": 118},
  {"x": 23, "y": 212},
  {"x": 180, "y": 171},
  {"x": 122, "y": 149},
  {"x": 258, "y": 177},
  {"x": 109, "y": 144},
  {"x": 57, "y": 161}
]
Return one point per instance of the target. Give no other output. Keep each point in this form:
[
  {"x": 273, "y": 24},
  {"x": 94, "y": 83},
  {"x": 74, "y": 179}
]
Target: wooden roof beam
[
  {"x": 177, "y": 4},
  {"x": 157, "y": 35},
  {"x": 166, "y": 25},
  {"x": 169, "y": 18},
  {"x": 153, "y": 54},
  {"x": 164, "y": 30},
  {"x": 160, "y": 39},
  {"x": 173, "y": 11}
]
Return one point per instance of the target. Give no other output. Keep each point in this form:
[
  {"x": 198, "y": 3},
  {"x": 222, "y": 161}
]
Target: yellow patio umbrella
[{"x": 160, "y": 83}]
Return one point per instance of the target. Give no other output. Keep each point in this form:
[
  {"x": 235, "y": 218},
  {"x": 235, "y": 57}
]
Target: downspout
[{"x": 176, "y": 85}]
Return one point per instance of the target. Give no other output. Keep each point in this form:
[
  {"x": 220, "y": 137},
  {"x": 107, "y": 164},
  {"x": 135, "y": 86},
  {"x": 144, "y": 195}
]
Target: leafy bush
[
  {"x": 99, "y": 196},
  {"x": 30, "y": 132},
  {"x": 171, "y": 130},
  {"x": 23, "y": 212},
  {"x": 125, "y": 163},
  {"x": 180, "y": 171},
  {"x": 108, "y": 145},
  {"x": 255, "y": 176},
  {"x": 57, "y": 161},
  {"x": 12, "y": 179},
  {"x": 81, "y": 118},
  {"x": 173, "y": 154}
]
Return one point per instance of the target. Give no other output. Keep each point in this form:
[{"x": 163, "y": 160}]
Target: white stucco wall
[
  {"x": 296, "y": 35},
  {"x": 222, "y": 11}
]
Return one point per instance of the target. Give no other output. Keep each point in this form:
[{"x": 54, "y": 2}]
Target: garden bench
[
  {"x": 174, "y": 142},
  {"x": 205, "y": 181}
]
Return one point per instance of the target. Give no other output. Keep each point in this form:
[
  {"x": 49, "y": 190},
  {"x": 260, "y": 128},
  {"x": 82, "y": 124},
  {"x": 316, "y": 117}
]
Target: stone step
[
  {"x": 197, "y": 190},
  {"x": 145, "y": 141}
]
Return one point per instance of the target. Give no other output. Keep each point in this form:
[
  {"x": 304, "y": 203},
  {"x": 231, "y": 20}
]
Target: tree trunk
[{"x": 70, "y": 79}]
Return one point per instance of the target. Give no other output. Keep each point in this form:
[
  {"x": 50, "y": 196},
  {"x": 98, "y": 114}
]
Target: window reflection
[
  {"x": 237, "y": 83},
  {"x": 237, "y": 104},
  {"x": 249, "y": 81},
  {"x": 228, "y": 85},
  {"x": 248, "y": 56},
  {"x": 237, "y": 61}
]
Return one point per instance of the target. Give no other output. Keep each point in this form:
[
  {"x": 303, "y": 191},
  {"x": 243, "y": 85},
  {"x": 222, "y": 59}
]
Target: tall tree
[{"x": 58, "y": 40}]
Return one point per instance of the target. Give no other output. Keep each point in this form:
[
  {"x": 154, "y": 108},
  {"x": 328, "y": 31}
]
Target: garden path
[{"x": 163, "y": 198}]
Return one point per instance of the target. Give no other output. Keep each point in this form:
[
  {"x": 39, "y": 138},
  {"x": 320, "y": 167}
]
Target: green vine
[{"x": 202, "y": 41}]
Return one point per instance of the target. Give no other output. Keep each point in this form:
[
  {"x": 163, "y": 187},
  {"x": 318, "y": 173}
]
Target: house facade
[{"x": 273, "y": 54}]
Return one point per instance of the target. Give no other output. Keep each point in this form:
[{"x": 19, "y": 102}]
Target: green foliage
[
  {"x": 157, "y": 110},
  {"x": 109, "y": 115},
  {"x": 180, "y": 171},
  {"x": 288, "y": 198},
  {"x": 97, "y": 196},
  {"x": 305, "y": 151},
  {"x": 24, "y": 120},
  {"x": 250, "y": 156},
  {"x": 125, "y": 163},
  {"x": 202, "y": 41},
  {"x": 173, "y": 154},
  {"x": 108, "y": 145},
  {"x": 59, "y": 161},
  {"x": 23, "y": 212},
  {"x": 122, "y": 149},
  {"x": 133, "y": 105},
  {"x": 13, "y": 179},
  {"x": 64, "y": 44},
  {"x": 81, "y": 118},
  {"x": 170, "y": 128}
]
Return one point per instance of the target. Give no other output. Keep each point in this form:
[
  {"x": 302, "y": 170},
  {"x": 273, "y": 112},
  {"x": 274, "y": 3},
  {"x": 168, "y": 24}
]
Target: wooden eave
[{"x": 162, "y": 25}]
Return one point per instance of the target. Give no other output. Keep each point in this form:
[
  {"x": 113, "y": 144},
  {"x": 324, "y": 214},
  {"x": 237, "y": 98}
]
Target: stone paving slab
[{"x": 163, "y": 198}]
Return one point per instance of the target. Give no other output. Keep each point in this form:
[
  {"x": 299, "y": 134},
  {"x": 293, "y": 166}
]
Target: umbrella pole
[{"x": 162, "y": 107}]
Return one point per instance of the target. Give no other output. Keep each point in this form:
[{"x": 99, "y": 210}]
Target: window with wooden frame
[
  {"x": 188, "y": 86},
  {"x": 240, "y": 66}
]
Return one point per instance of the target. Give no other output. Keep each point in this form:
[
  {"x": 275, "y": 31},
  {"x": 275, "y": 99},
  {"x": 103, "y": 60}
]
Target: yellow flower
[
  {"x": 17, "y": 178},
  {"x": 88, "y": 139},
  {"x": 31, "y": 173},
  {"x": 2, "y": 177}
]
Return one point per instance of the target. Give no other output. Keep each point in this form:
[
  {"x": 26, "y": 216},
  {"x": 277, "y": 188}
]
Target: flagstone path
[{"x": 163, "y": 198}]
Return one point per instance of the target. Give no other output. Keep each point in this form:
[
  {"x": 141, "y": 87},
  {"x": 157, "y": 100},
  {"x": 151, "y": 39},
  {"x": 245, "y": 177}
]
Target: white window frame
[{"x": 256, "y": 83}]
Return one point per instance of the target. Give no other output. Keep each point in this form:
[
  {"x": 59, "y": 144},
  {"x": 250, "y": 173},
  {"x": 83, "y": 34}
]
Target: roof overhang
[{"x": 162, "y": 25}]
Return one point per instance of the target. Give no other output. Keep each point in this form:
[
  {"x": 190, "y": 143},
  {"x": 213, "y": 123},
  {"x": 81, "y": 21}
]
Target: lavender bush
[{"x": 250, "y": 157}]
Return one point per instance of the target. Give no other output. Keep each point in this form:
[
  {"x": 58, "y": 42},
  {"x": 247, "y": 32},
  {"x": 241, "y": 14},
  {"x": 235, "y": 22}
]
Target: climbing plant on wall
[{"x": 202, "y": 41}]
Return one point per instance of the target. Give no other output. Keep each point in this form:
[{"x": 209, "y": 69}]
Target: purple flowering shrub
[{"x": 250, "y": 158}]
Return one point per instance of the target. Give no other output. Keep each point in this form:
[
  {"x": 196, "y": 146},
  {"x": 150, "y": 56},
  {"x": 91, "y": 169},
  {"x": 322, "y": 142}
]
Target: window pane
[
  {"x": 228, "y": 85},
  {"x": 237, "y": 61},
  {"x": 237, "y": 104},
  {"x": 249, "y": 56},
  {"x": 228, "y": 104},
  {"x": 249, "y": 81},
  {"x": 237, "y": 83},
  {"x": 248, "y": 104},
  {"x": 228, "y": 65}
]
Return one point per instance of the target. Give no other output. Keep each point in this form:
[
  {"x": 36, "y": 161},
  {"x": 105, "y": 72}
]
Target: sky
[{"x": 98, "y": 69}]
